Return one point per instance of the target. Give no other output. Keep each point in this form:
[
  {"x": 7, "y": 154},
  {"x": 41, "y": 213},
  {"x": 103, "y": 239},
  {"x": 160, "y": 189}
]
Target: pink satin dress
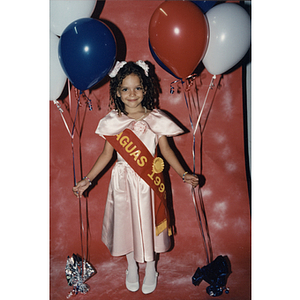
[{"x": 128, "y": 223}]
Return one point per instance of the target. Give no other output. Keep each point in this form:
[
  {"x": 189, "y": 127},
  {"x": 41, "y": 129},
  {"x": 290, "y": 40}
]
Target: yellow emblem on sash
[{"x": 158, "y": 165}]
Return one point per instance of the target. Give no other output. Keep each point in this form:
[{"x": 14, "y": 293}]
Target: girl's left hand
[{"x": 191, "y": 179}]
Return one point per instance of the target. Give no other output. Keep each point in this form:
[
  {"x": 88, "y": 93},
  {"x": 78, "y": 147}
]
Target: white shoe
[
  {"x": 132, "y": 287},
  {"x": 147, "y": 289}
]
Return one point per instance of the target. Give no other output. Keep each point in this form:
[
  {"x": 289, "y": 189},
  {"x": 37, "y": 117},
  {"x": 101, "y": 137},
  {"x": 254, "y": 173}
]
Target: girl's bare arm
[
  {"x": 103, "y": 159},
  {"x": 171, "y": 158}
]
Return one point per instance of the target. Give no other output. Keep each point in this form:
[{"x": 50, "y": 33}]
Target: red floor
[{"x": 174, "y": 281}]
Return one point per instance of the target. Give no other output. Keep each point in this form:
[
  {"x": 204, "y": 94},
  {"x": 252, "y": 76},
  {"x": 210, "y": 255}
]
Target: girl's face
[{"x": 131, "y": 93}]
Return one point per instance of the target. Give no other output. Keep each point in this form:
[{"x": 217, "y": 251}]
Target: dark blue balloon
[
  {"x": 160, "y": 62},
  {"x": 205, "y": 6},
  {"x": 87, "y": 52}
]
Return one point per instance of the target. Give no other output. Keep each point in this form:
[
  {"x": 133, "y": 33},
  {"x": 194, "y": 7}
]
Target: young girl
[{"x": 135, "y": 222}]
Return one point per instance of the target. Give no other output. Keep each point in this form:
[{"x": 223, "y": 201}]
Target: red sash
[{"x": 149, "y": 168}]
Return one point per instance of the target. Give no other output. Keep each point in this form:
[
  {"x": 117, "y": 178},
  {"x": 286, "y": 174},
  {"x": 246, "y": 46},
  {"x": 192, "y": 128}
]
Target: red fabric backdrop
[{"x": 225, "y": 192}]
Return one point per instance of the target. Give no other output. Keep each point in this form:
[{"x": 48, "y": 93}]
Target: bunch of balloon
[
  {"x": 87, "y": 52},
  {"x": 62, "y": 13},
  {"x": 229, "y": 39},
  {"x": 178, "y": 36}
]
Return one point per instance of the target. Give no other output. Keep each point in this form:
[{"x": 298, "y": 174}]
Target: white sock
[
  {"x": 132, "y": 268},
  {"x": 150, "y": 273}
]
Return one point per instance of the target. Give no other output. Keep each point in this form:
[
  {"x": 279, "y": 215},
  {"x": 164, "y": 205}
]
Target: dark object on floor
[
  {"x": 216, "y": 274},
  {"x": 77, "y": 273}
]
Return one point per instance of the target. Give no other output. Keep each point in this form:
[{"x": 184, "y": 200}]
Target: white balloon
[
  {"x": 229, "y": 37},
  {"x": 57, "y": 75},
  {"x": 64, "y": 12}
]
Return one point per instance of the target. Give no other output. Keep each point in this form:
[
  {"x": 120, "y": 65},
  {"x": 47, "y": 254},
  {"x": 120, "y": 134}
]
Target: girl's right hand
[{"x": 80, "y": 187}]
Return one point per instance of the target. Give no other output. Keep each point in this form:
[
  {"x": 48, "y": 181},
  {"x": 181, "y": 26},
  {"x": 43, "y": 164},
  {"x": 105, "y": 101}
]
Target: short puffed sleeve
[
  {"x": 161, "y": 124},
  {"x": 112, "y": 124}
]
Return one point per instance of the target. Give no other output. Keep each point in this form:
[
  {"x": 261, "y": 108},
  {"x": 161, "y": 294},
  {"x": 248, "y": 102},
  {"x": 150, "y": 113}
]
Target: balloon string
[
  {"x": 71, "y": 133},
  {"x": 82, "y": 229},
  {"x": 62, "y": 116},
  {"x": 192, "y": 125},
  {"x": 89, "y": 101},
  {"x": 207, "y": 245},
  {"x": 72, "y": 143},
  {"x": 206, "y": 223},
  {"x": 200, "y": 224},
  {"x": 200, "y": 114},
  {"x": 74, "y": 122},
  {"x": 69, "y": 92},
  {"x": 83, "y": 233}
]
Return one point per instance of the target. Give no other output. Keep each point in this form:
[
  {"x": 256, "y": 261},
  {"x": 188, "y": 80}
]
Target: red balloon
[{"x": 178, "y": 34}]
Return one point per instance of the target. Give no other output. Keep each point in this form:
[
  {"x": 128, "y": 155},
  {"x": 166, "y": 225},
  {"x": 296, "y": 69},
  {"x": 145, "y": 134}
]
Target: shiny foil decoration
[
  {"x": 216, "y": 274},
  {"x": 77, "y": 273}
]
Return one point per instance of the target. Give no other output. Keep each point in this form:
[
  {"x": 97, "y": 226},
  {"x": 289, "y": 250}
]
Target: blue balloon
[
  {"x": 87, "y": 52},
  {"x": 205, "y": 6},
  {"x": 160, "y": 62}
]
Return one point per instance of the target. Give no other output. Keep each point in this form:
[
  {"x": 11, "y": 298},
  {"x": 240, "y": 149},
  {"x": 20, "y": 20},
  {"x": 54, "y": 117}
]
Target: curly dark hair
[{"x": 150, "y": 99}]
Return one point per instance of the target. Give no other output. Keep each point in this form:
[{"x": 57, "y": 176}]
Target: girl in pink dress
[{"x": 129, "y": 220}]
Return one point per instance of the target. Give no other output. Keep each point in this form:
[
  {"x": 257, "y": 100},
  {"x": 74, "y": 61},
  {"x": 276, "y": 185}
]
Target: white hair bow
[
  {"x": 143, "y": 65},
  {"x": 121, "y": 64}
]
